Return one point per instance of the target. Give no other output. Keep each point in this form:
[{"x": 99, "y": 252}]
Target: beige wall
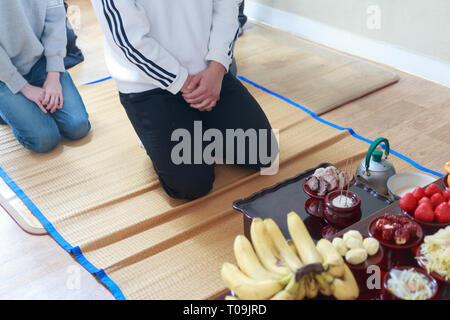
[{"x": 419, "y": 26}]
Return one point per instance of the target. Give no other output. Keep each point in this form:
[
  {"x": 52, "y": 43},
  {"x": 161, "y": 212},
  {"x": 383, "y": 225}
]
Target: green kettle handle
[{"x": 372, "y": 148}]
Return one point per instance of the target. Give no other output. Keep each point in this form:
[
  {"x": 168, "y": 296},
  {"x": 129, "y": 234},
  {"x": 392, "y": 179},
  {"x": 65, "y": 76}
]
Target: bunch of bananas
[{"x": 269, "y": 267}]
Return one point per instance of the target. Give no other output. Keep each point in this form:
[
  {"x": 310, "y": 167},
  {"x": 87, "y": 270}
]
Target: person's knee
[
  {"x": 192, "y": 188},
  {"x": 196, "y": 189},
  {"x": 189, "y": 184},
  {"x": 76, "y": 129},
  {"x": 76, "y": 125},
  {"x": 43, "y": 141}
]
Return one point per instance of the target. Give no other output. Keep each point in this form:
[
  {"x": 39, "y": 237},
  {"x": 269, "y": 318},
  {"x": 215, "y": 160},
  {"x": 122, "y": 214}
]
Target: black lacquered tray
[{"x": 277, "y": 201}]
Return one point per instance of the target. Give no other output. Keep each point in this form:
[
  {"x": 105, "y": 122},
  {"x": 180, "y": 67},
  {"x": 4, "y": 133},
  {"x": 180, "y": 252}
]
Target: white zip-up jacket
[{"x": 156, "y": 43}]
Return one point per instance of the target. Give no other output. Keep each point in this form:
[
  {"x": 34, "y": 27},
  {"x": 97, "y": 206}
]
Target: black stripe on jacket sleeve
[
  {"x": 145, "y": 67},
  {"x": 136, "y": 51}
]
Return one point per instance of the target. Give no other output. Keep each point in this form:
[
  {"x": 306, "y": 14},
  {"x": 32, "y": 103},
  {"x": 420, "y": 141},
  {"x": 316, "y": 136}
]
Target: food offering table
[{"x": 276, "y": 201}]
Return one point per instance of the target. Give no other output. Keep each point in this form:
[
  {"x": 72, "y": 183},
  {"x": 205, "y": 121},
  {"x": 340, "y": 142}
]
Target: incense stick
[
  {"x": 351, "y": 169},
  {"x": 346, "y": 165}
]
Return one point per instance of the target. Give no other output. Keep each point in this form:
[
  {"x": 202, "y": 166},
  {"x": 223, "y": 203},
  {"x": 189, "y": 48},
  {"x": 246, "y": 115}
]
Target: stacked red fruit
[
  {"x": 428, "y": 205},
  {"x": 397, "y": 228}
]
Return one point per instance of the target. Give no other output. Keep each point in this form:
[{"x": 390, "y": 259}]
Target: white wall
[{"x": 411, "y": 35}]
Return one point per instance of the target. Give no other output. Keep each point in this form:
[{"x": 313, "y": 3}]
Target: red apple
[
  {"x": 425, "y": 200},
  {"x": 443, "y": 212},
  {"x": 418, "y": 193},
  {"x": 432, "y": 189},
  {"x": 408, "y": 203},
  {"x": 424, "y": 212},
  {"x": 436, "y": 199},
  {"x": 446, "y": 194}
]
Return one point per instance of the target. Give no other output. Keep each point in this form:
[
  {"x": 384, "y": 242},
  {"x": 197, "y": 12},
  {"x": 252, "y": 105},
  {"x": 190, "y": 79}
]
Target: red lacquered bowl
[
  {"x": 314, "y": 195},
  {"x": 314, "y": 205},
  {"x": 412, "y": 242},
  {"x": 433, "y": 274},
  {"x": 339, "y": 217},
  {"x": 431, "y": 226},
  {"x": 360, "y": 270},
  {"x": 389, "y": 295},
  {"x": 376, "y": 259},
  {"x": 428, "y": 227},
  {"x": 311, "y": 193}
]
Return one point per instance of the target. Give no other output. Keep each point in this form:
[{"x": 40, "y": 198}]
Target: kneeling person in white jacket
[{"x": 170, "y": 60}]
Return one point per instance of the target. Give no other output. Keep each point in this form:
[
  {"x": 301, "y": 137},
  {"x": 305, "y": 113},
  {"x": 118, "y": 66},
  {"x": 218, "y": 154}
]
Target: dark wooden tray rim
[{"x": 237, "y": 205}]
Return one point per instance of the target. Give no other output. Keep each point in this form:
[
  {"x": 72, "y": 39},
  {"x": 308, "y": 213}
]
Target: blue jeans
[{"x": 35, "y": 130}]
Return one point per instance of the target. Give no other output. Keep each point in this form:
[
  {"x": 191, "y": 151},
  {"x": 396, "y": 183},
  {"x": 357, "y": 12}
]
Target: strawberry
[
  {"x": 432, "y": 189},
  {"x": 443, "y": 212},
  {"x": 408, "y": 203},
  {"x": 418, "y": 193},
  {"x": 436, "y": 199},
  {"x": 447, "y": 194},
  {"x": 425, "y": 200},
  {"x": 424, "y": 212}
]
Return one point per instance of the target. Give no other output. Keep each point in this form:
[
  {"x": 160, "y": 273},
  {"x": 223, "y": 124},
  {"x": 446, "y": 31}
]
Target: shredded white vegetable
[
  {"x": 410, "y": 285},
  {"x": 435, "y": 253}
]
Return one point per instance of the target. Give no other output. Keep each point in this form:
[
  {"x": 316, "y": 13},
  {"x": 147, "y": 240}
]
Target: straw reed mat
[
  {"x": 306, "y": 72},
  {"x": 102, "y": 194}
]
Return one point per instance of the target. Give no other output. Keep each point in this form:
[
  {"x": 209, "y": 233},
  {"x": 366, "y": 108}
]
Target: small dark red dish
[
  {"x": 341, "y": 217},
  {"x": 412, "y": 242},
  {"x": 389, "y": 295},
  {"x": 311, "y": 193},
  {"x": 376, "y": 259},
  {"x": 433, "y": 274},
  {"x": 360, "y": 270},
  {"x": 314, "y": 205}
]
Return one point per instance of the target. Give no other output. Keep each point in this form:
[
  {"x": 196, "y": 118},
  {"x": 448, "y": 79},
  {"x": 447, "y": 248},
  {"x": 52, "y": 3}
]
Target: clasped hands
[
  {"x": 202, "y": 91},
  {"x": 49, "y": 98}
]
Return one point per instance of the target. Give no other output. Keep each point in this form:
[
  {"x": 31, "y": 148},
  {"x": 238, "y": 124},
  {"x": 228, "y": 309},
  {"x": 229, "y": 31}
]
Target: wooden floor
[{"x": 413, "y": 114}]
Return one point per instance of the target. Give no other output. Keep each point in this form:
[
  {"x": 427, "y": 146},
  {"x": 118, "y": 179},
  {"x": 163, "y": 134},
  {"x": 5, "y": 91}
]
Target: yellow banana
[
  {"x": 286, "y": 255},
  {"x": 301, "y": 289},
  {"x": 328, "y": 277},
  {"x": 289, "y": 292},
  {"x": 293, "y": 248},
  {"x": 292, "y": 287},
  {"x": 247, "y": 288},
  {"x": 265, "y": 248},
  {"x": 282, "y": 295},
  {"x": 312, "y": 288},
  {"x": 346, "y": 288},
  {"x": 302, "y": 240},
  {"x": 332, "y": 260},
  {"x": 248, "y": 261},
  {"x": 231, "y": 298},
  {"x": 324, "y": 286}
]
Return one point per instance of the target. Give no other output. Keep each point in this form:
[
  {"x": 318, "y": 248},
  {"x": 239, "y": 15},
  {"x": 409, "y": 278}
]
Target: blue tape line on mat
[
  {"x": 100, "y": 273},
  {"x": 96, "y": 81},
  {"x": 350, "y": 130},
  {"x": 315, "y": 116},
  {"x": 38, "y": 214}
]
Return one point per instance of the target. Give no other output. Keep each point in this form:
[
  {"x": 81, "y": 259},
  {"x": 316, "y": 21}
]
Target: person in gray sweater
[{"x": 38, "y": 98}]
